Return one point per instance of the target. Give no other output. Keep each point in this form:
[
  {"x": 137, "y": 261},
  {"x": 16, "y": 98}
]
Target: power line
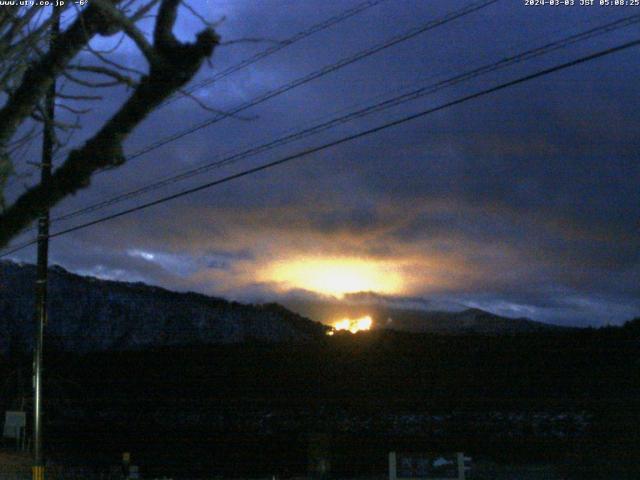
[
  {"x": 312, "y": 76},
  {"x": 364, "y": 133},
  {"x": 361, "y": 7},
  {"x": 378, "y": 107},
  {"x": 451, "y": 16},
  {"x": 625, "y": 21},
  {"x": 320, "y": 73},
  {"x": 329, "y": 22},
  {"x": 19, "y": 247}
]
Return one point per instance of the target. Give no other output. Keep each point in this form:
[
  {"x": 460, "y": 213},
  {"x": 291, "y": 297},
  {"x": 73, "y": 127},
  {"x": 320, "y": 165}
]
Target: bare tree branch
[
  {"x": 129, "y": 27},
  {"x": 174, "y": 64},
  {"x": 115, "y": 47},
  {"x": 113, "y": 63},
  {"x": 142, "y": 11},
  {"x": 163, "y": 38},
  {"x": 109, "y": 72},
  {"x": 39, "y": 77},
  {"x": 77, "y": 111},
  {"x": 66, "y": 96},
  {"x": 197, "y": 15}
]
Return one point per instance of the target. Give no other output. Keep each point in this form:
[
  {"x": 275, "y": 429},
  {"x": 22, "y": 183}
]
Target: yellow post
[{"x": 38, "y": 472}]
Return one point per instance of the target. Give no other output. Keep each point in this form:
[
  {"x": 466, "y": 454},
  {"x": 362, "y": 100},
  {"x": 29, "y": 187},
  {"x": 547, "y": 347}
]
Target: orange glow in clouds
[{"x": 334, "y": 276}]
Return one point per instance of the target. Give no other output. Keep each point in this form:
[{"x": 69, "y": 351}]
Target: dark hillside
[
  {"x": 88, "y": 314},
  {"x": 538, "y": 397}
]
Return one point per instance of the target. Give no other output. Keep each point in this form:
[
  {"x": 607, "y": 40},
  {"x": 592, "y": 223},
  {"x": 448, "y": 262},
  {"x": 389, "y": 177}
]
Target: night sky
[{"x": 524, "y": 202}]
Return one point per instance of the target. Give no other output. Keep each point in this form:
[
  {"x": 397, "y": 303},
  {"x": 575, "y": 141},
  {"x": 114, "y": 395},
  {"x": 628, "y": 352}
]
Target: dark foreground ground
[{"x": 560, "y": 405}]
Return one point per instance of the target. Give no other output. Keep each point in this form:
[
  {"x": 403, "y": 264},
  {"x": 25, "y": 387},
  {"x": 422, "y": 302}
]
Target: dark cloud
[{"x": 524, "y": 202}]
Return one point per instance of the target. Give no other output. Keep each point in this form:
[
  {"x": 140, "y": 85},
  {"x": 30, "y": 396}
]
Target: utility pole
[{"x": 43, "y": 263}]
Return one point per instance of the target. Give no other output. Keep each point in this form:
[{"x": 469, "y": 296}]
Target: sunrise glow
[
  {"x": 353, "y": 325},
  {"x": 335, "y": 276}
]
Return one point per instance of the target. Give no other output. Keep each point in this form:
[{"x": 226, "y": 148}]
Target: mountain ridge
[
  {"x": 414, "y": 320},
  {"x": 91, "y": 314}
]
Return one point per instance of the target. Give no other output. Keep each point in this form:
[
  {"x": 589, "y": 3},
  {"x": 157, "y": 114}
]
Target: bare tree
[{"x": 29, "y": 67}]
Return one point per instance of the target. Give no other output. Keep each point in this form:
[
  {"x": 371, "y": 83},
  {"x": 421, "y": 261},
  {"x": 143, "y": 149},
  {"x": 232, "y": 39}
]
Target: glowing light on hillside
[
  {"x": 335, "y": 276},
  {"x": 353, "y": 325}
]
